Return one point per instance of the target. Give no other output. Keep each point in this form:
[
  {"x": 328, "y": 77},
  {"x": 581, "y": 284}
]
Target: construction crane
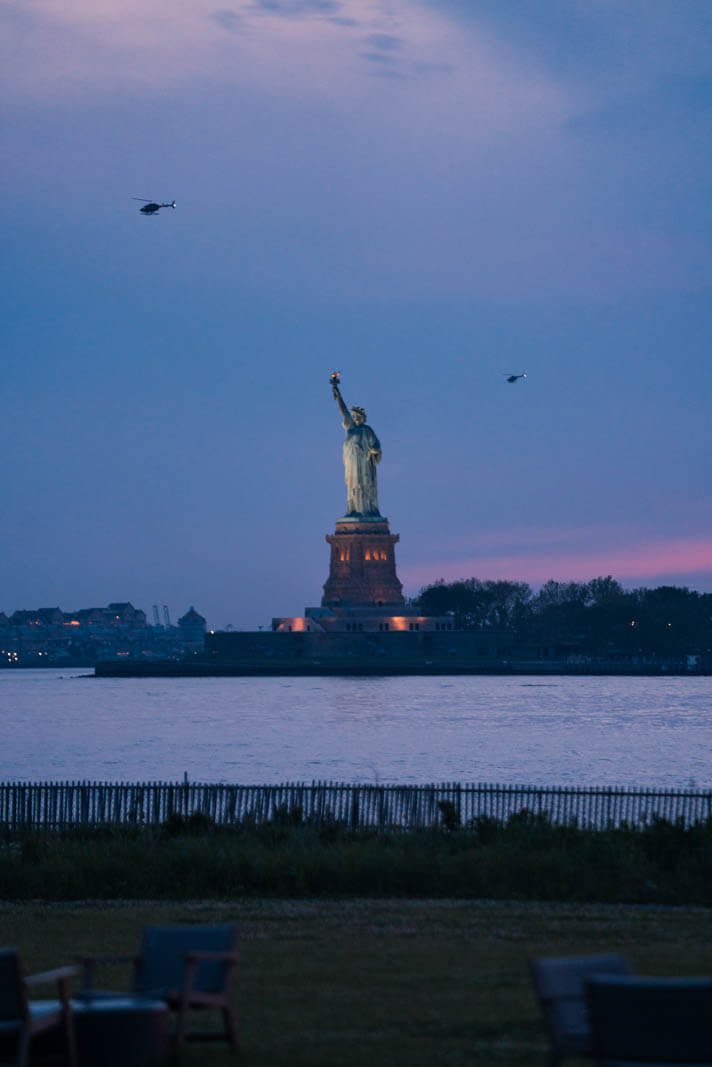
[{"x": 166, "y": 616}]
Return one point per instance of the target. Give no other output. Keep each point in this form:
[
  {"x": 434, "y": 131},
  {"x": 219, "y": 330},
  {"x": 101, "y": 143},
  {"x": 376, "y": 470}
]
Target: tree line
[{"x": 594, "y": 617}]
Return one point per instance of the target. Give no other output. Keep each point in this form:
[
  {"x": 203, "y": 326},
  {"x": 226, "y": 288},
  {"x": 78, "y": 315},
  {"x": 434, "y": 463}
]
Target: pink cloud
[
  {"x": 633, "y": 561},
  {"x": 318, "y": 45}
]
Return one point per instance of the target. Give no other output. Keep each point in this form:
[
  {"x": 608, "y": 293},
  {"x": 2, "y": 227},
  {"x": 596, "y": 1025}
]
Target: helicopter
[
  {"x": 150, "y": 207},
  {"x": 514, "y": 377}
]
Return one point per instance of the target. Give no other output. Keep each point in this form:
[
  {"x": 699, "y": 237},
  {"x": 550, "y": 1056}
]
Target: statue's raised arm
[
  {"x": 345, "y": 413},
  {"x": 362, "y": 452}
]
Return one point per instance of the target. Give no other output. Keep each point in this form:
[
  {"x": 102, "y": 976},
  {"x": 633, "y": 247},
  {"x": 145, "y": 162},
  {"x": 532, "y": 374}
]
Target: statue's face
[{"x": 359, "y": 417}]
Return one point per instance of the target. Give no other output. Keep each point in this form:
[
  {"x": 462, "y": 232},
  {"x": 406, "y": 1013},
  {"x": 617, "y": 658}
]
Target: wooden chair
[
  {"x": 640, "y": 1021},
  {"x": 21, "y": 1019},
  {"x": 560, "y": 986},
  {"x": 188, "y": 967}
]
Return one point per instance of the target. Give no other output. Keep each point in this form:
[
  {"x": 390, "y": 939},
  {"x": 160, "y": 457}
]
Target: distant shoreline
[{"x": 169, "y": 669}]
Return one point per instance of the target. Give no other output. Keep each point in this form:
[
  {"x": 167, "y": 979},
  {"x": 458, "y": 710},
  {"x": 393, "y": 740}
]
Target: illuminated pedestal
[
  {"x": 362, "y": 572},
  {"x": 362, "y": 595}
]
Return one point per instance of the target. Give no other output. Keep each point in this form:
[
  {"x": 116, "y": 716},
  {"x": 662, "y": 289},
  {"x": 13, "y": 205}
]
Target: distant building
[
  {"x": 120, "y": 615},
  {"x": 126, "y": 614},
  {"x": 359, "y": 620},
  {"x": 25, "y": 618},
  {"x": 192, "y": 627},
  {"x": 50, "y": 636}
]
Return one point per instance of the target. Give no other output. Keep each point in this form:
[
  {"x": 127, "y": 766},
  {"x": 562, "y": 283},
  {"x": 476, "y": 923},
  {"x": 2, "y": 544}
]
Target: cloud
[
  {"x": 83, "y": 48},
  {"x": 639, "y": 37},
  {"x": 384, "y": 41},
  {"x": 516, "y": 184},
  {"x": 377, "y": 57},
  {"x": 628, "y": 68},
  {"x": 227, "y": 18},
  {"x": 635, "y": 561},
  {"x": 296, "y": 8}
]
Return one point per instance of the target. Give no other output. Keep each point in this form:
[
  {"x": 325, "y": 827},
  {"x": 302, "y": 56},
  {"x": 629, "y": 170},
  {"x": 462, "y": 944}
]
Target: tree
[
  {"x": 476, "y": 605},
  {"x": 605, "y": 590},
  {"x": 598, "y": 618},
  {"x": 450, "y": 598}
]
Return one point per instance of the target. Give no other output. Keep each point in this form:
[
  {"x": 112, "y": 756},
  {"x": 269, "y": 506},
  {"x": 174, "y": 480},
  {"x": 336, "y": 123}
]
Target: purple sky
[{"x": 425, "y": 195}]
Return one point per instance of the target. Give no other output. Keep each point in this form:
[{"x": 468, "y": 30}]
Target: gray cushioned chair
[
  {"x": 640, "y": 1021},
  {"x": 560, "y": 986},
  {"x": 189, "y": 967},
  {"x": 22, "y": 1019}
]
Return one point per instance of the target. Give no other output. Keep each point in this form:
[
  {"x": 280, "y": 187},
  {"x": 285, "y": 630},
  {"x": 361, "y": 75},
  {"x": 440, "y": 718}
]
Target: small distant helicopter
[
  {"x": 514, "y": 377},
  {"x": 150, "y": 207}
]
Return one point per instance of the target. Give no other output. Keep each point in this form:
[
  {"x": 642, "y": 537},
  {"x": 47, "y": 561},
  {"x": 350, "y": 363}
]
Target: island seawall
[{"x": 266, "y": 654}]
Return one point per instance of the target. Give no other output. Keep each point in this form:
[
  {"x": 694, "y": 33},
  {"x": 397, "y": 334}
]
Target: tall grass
[{"x": 525, "y": 857}]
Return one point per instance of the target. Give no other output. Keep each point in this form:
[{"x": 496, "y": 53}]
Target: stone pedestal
[{"x": 362, "y": 573}]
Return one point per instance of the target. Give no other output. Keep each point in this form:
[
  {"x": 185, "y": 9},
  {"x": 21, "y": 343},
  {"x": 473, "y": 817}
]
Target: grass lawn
[{"x": 379, "y": 982}]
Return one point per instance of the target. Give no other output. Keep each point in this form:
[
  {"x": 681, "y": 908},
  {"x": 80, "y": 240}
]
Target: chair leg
[
  {"x": 71, "y": 1039},
  {"x": 230, "y": 1029},
  {"x": 181, "y": 1025},
  {"x": 23, "y": 1048}
]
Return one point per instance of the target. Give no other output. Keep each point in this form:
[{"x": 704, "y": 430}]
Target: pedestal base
[{"x": 362, "y": 572}]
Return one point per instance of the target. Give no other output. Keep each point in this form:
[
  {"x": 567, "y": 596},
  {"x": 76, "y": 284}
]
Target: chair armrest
[
  {"x": 61, "y": 975},
  {"x": 106, "y": 957}
]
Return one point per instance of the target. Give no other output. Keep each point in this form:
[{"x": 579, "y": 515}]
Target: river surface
[{"x": 60, "y": 725}]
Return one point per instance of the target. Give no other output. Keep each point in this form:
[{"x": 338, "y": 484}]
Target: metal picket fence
[{"x": 61, "y": 805}]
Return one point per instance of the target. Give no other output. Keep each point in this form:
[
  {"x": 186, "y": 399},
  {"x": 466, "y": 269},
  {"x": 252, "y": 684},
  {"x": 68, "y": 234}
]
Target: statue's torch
[{"x": 335, "y": 378}]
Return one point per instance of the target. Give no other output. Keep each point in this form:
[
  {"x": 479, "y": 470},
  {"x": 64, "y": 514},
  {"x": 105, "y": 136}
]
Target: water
[{"x": 59, "y": 725}]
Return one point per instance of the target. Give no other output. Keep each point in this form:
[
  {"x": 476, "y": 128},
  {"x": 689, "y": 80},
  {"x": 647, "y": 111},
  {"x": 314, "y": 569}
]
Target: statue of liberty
[{"x": 362, "y": 453}]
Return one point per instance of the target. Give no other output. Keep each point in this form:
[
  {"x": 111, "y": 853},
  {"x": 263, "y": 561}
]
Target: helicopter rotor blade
[{"x": 142, "y": 199}]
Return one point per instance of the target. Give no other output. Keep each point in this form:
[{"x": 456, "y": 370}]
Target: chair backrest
[
  {"x": 161, "y": 962},
  {"x": 651, "y": 1020},
  {"x": 560, "y": 986},
  {"x": 13, "y": 995}
]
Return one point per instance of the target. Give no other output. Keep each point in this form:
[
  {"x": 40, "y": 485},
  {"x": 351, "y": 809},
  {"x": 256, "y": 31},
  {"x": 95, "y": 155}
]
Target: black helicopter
[
  {"x": 150, "y": 207},
  {"x": 514, "y": 377}
]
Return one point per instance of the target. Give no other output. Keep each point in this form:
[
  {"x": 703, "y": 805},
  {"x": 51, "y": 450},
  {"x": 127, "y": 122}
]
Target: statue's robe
[{"x": 360, "y": 469}]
